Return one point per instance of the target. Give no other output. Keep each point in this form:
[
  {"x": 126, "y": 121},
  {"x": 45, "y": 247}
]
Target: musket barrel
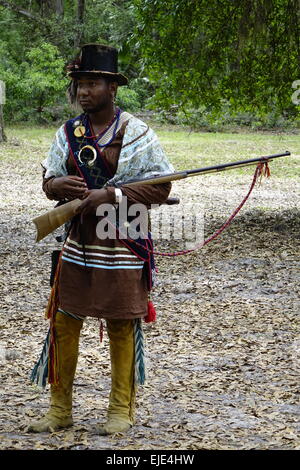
[
  {"x": 224, "y": 166},
  {"x": 198, "y": 171},
  {"x": 157, "y": 179}
]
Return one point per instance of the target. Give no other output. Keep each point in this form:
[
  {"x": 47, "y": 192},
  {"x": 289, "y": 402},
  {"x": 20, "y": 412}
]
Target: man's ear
[{"x": 113, "y": 88}]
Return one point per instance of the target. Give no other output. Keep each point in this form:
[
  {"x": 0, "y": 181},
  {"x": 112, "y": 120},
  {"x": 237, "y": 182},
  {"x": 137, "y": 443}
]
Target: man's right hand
[{"x": 69, "y": 187}]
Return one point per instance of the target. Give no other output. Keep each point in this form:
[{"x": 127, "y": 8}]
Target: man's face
[{"x": 94, "y": 94}]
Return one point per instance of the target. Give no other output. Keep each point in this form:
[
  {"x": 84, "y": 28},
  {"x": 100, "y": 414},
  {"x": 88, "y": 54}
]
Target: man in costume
[{"x": 108, "y": 278}]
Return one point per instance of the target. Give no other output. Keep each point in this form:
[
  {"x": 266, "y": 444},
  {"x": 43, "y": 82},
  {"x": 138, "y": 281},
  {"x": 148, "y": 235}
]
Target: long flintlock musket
[{"x": 51, "y": 220}]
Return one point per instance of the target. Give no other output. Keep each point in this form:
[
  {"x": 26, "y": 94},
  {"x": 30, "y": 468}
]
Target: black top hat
[{"x": 99, "y": 60}]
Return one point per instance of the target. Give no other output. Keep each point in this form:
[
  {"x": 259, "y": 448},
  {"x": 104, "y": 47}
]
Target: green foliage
[
  {"x": 43, "y": 78},
  {"x": 135, "y": 96},
  {"x": 201, "y": 61},
  {"x": 36, "y": 83},
  {"x": 34, "y": 70},
  {"x": 211, "y": 51},
  {"x": 128, "y": 100},
  {"x": 202, "y": 118}
]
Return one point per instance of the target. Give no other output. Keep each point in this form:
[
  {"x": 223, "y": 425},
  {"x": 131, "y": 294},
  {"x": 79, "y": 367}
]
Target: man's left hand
[{"x": 92, "y": 199}]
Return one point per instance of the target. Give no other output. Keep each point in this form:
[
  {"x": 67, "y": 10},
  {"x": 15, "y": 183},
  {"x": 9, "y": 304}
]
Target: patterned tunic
[{"x": 101, "y": 277}]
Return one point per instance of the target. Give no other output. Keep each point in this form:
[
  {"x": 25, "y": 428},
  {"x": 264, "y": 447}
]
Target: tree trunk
[
  {"x": 80, "y": 11},
  {"x": 80, "y": 23},
  {"x": 2, "y": 134},
  {"x": 50, "y": 7},
  {"x": 60, "y": 8}
]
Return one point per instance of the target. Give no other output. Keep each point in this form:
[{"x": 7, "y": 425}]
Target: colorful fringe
[
  {"x": 140, "y": 369},
  {"x": 51, "y": 311},
  {"x": 47, "y": 365},
  {"x": 39, "y": 373}
]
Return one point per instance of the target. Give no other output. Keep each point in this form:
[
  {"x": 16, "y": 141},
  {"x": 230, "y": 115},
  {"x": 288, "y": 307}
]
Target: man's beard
[{"x": 100, "y": 106}]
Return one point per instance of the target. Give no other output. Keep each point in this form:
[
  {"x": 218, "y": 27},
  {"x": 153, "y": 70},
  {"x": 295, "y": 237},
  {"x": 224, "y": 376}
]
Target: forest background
[{"x": 202, "y": 63}]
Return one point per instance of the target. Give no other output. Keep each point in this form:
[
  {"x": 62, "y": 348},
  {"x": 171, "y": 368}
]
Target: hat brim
[{"x": 118, "y": 77}]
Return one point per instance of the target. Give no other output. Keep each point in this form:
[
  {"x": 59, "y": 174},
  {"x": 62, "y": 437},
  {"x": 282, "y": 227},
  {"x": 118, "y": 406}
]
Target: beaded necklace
[
  {"x": 96, "y": 142},
  {"x": 87, "y": 154}
]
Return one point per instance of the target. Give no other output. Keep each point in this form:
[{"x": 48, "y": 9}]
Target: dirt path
[{"x": 224, "y": 354}]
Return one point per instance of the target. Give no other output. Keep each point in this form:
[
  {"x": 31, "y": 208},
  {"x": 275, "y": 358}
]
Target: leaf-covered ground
[{"x": 224, "y": 354}]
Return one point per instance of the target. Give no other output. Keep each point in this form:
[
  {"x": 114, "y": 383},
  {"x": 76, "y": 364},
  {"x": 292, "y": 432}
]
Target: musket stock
[
  {"x": 54, "y": 218},
  {"x": 47, "y": 223}
]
